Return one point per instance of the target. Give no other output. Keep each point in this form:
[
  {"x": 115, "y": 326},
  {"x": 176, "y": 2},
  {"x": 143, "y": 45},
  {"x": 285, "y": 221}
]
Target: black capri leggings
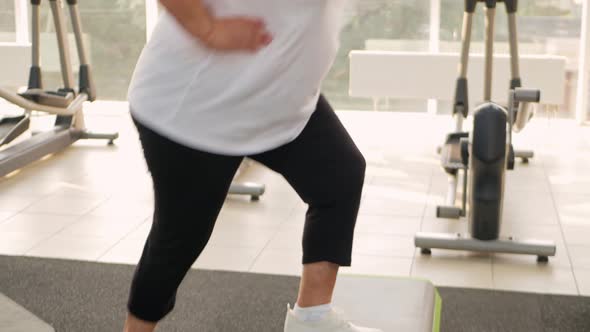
[{"x": 323, "y": 165}]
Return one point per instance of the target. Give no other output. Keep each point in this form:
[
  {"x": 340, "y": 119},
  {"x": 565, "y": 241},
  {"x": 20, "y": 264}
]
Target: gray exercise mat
[
  {"x": 14, "y": 318},
  {"x": 396, "y": 304},
  {"x": 90, "y": 297}
]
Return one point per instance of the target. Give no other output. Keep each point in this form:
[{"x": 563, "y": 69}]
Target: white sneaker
[{"x": 333, "y": 322}]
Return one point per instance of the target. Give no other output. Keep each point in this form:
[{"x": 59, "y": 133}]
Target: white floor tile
[
  {"x": 21, "y": 185},
  {"x": 103, "y": 182},
  {"x": 439, "y": 182},
  {"x": 4, "y": 216},
  {"x": 16, "y": 203},
  {"x": 577, "y": 234},
  {"x": 227, "y": 259},
  {"x": 102, "y": 226},
  {"x": 232, "y": 216},
  {"x": 583, "y": 279},
  {"x": 373, "y": 224},
  {"x": 569, "y": 182},
  {"x": 122, "y": 207},
  {"x": 529, "y": 207},
  {"x": 378, "y": 266},
  {"x": 412, "y": 189},
  {"x": 55, "y": 168},
  {"x": 533, "y": 277},
  {"x": 241, "y": 236},
  {"x": 439, "y": 225},
  {"x": 37, "y": 223},
  {"x": 409, "y": 182},
  {"x": 79, "y": 192},
  {"x": 282, "y": 262},
  {"x": 142, "y": 231},
  {"x": 63, "y": 205},
  {"x": 73, "y": 247},
  {"x": 398, "y": 164},
  {"x": 454, "y": 269},
  {"x": 127, "y": 251},
  {"x": 297, "y": 216},
  {"x": 288, "y": 237},
  {"x": 383, "y": 245},
  {"x": 531, "y": 177},
  {"x": 573, "y": 209},
  {"x": 19, "y": 243},
  {"x": 580, "y": 255},
  {"x": 412, "y": 206}
]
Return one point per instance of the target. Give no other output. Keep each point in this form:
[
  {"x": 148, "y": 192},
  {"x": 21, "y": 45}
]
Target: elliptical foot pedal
[
  {"x": 13, "y": 127},
  {"x": 450, "y": 153},
  {"x": 449, "y": 212}
]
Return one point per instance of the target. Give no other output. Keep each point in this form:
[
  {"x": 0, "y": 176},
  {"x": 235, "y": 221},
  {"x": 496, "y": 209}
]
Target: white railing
[{"x": 425, "y": 75}]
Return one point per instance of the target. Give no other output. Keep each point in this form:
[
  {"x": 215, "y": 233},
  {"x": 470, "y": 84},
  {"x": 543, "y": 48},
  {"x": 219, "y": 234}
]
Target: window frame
[{"x": 152, "y": 10}]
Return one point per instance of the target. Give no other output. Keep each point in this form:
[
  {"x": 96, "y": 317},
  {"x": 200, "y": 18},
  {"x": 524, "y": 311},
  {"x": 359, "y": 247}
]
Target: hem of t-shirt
[{"x": 160, "y": 130}]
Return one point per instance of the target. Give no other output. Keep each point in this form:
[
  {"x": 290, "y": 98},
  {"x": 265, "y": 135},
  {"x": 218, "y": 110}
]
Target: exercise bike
[{"x": 485, "y": 154}]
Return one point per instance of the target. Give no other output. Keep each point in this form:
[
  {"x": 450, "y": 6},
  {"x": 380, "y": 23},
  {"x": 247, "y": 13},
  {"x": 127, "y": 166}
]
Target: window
[
  {"x": 380, "y": 25},
  {"x": 115, "y": 32},
  {"x": 544, "y": 27},
  {"x": 7, "y": 23}
]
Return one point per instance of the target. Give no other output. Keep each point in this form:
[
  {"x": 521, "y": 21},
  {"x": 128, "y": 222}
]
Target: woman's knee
[
  {"x": 356, "y": 170},
  {"x": 347, "y": 183}
]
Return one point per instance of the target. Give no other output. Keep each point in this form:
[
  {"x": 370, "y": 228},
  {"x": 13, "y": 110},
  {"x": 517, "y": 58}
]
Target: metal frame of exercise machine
[
  {"x": 486, "y": 153},
  {"x": 66, "y": 103}
]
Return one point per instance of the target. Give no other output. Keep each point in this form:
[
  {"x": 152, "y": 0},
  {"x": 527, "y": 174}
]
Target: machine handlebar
[{"x": 527, "y": 95}]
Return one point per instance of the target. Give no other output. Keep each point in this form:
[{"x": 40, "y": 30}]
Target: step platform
[
  {"x": 15, "y": 318},
  {"x": 388, "y": 303}
]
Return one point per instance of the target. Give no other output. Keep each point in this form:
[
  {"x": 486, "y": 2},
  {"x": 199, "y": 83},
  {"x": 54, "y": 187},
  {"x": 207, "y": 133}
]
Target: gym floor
[{"x": 93, "y": 202}]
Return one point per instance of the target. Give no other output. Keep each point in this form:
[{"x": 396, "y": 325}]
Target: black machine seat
[
  {"x": 450, "y": 152},
  {"x": 13, "y": 127}
]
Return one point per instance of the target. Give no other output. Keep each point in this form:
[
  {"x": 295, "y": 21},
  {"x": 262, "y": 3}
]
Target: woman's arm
[
  {"x": 231, "y": 33},
  {"x": 192, "y": 15}
]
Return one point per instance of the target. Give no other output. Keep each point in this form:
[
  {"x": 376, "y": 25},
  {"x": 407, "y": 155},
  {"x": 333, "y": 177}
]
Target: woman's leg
[
  {"x": 190, "y": 187},
  {"x": 327, "y": 170}
]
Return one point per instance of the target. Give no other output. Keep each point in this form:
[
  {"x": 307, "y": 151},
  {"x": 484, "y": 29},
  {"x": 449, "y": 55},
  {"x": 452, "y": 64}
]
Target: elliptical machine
[
  {"x": 486, "y": 153},
  {"x": 66, "y": 103}
]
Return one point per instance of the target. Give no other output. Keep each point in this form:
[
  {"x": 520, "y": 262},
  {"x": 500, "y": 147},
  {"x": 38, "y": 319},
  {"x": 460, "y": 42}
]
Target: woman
[{"x": 221, "y": 80}]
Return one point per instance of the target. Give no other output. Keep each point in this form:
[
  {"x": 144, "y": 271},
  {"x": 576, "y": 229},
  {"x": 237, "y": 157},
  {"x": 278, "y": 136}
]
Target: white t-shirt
[{"x": 237, "y": 103}]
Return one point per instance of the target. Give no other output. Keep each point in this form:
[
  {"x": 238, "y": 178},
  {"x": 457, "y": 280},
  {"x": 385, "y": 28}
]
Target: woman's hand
[
  {"x": 224, "y": 34},
  {"x": 236, "y": 34}
]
